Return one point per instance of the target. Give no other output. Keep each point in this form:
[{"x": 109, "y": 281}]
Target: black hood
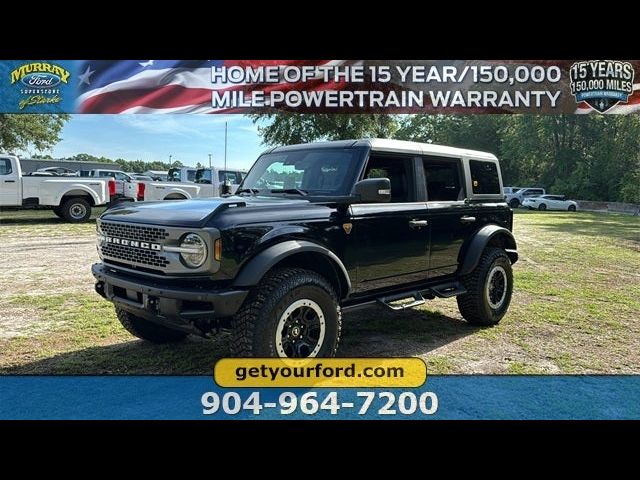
[{"x": 186, "y": 213}]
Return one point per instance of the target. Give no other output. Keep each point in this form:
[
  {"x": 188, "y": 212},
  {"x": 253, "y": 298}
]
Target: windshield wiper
[
  {"x": 296, "y": 191},
  {"x": 253, "y": 191}
]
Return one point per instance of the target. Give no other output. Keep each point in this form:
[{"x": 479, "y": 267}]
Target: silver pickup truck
[{"x": 71, "y": 198}]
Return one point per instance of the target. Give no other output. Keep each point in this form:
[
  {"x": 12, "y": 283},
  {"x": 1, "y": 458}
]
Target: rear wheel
[
  {"x": 514, "y": 203},
  {"x": 58, "y": 212},
  {"x": 542, "y": 207},
  {"x": 489, "y": 288},
  {"x": 76, "y": 210},
  {"x": 572, "y": 208},
  {"x": 146, "y": 330}
]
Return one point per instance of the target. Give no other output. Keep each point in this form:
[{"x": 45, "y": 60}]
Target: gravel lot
[{"x": 575, "y": 309}]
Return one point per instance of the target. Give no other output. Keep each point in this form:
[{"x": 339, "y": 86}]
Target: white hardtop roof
[{"x": 383, "y": 144}]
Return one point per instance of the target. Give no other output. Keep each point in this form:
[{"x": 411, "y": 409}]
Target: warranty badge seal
[{"x": 602, "y": 84}]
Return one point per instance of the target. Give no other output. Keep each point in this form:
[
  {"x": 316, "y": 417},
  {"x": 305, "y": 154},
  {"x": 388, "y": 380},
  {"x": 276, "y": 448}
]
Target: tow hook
[{"x": 100, "y": 289}]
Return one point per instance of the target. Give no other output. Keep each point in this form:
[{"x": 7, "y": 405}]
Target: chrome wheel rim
[
  {"x": 301, "y": 330},
  {"x": 77, "y": 210},
  {"x": 495, "y": 290}
]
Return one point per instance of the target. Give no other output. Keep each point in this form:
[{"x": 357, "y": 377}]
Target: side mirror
[{"x": 373, "y": 190}]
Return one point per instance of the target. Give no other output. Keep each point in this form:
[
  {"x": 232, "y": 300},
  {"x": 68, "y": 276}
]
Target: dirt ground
[{"x": 575, "y": 309}]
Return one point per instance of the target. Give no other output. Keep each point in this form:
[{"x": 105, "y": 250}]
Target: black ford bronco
[{"x": 313, "y": 231}]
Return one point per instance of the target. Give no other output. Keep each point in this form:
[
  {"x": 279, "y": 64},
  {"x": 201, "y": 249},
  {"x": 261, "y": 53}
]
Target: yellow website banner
[{"x": 320, "y": 372}]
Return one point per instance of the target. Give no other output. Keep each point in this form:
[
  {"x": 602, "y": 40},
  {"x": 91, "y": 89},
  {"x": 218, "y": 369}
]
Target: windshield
[{"x": 322, "y": 172}]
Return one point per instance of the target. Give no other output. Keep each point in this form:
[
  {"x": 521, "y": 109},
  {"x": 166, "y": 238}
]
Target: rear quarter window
[{"x": 484, "y": 177}]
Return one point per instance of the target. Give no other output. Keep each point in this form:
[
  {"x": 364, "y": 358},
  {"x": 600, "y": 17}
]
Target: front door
[
  {"x": 9, "y": 184},
  {"x": 390, "y": 240}
]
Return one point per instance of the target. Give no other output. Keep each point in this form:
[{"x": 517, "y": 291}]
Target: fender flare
[
  {"x": 84, "y": 189},
  {"x": 479, "y": 242},
  {"x": 178, "y": 191},
  {"x": 253, "y": 271}
]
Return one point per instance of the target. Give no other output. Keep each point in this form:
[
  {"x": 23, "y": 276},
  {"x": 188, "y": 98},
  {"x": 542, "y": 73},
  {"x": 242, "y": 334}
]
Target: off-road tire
[
  {"x": 572, "y": 208},
  {"x": 474, "y": 305},
  {"x": 147, "y": 330},
  {"x": 254, "y": 326},
  {"x": 514, "y": 203},
  {"x": 71, "y": 207},
  {"x": 542, "y": 207}
]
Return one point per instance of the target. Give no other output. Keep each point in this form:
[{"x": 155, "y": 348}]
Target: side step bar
[{"x": 444, "y": 290}]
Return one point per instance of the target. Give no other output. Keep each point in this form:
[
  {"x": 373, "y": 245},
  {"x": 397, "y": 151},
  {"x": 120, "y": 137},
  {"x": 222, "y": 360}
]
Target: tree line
[{"x": 588, "y": 157}]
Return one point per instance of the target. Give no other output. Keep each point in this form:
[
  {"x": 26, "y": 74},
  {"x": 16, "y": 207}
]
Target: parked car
[
  {"x": 550, "y": 202},
  {"x": 157, "y": 175},
  {"x": 126, "y": 187},
  {"x": 370, "y": 222},
  {"x": 518, "y": 194},
  {"x": 139, "y": 176},
  {"x": 219, "y": 177},
  {"x": 63, "y": 171},
  {"x": 70, "y": 198},
  {"x": 182, "y": 174}
]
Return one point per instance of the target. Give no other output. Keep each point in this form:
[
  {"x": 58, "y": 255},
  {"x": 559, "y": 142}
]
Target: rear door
[
  {"x": 9, "y": 183},
  {"x": 390, "y": 241},
  {"x": 450, "y": 218}
]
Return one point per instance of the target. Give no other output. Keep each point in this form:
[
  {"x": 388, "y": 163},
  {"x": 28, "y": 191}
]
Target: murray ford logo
[
  {"x": 602, "y": 84},
  {"x": 39, "y": 83},
  {"x": 125, "y": 242}
]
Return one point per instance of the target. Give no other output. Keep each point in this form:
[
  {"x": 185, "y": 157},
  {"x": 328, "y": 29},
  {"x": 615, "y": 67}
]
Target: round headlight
[{"x": 194, "y": 252}]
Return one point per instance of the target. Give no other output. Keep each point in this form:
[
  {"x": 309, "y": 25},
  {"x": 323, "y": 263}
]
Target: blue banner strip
[{"x": 459, "y": 397}]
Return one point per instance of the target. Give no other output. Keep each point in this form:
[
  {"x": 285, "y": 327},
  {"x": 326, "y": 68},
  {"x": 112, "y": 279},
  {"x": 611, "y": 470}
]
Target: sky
[{"x": 188, "y": 138}]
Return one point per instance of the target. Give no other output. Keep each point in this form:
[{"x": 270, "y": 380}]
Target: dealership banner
[
  {"x": 454, "y": 397},
  {"x": 320, "y": 86}
]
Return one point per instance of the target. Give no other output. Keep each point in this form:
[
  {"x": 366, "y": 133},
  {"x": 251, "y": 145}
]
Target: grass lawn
[{"x": 576, "y": 308}]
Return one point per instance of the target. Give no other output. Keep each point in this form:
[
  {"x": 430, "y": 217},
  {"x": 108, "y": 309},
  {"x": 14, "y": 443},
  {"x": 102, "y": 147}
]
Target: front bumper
[{"x": 179, "y": 308}]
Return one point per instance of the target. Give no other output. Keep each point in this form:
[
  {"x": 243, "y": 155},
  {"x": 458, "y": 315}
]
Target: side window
[
  {"x": 484, "y": 177},
  {"x": 443, "y": 179},
  {"x": 397, "y": 171},
  {"x": 5, "y": 166},
  {"x": 191, "y": 175}
]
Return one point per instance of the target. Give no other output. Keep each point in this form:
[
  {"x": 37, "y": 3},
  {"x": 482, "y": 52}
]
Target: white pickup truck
[
  {"x": 206, "y": 185},
  {"x": 71, "y": 198}
]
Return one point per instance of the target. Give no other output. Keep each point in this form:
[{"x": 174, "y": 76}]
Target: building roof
[{"x": 383, "y": 144}]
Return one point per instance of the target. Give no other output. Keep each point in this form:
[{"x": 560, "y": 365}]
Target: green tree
[
  {"x": 287, "y": 128},
  {"x": 24, "y": 131}
]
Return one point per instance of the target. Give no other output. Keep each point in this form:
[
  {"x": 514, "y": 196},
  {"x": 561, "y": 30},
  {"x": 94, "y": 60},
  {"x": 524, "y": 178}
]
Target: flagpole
[{"x": 225, "y": 146}]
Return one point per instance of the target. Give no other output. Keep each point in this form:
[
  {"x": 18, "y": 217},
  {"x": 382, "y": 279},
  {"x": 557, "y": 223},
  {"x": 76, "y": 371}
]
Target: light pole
[
  {"x": 209, "y": 161},
  {"x": 170, "y": 164}
]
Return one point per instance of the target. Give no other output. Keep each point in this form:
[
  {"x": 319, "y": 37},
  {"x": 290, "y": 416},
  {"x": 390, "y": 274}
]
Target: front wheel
[
  {"x": 489, "y": 288},
  {"x": 542, "y": 207},
  {"x": 572, "y": 208},
  {"x": 514, "y": 203},
  {"x": 293, "y": 313}
]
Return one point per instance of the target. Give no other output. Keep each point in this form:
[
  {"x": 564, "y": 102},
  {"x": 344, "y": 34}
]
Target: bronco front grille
[
  {"x": 134, "y": 232},
  {"x": 133, "y": 255}
]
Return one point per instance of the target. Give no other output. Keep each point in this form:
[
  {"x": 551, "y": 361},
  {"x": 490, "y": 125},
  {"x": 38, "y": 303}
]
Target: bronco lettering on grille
[{"x": 125, "y": 242}]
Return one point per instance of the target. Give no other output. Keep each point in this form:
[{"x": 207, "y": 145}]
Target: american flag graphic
[
  {"x": 185, "y": 86},
  {"x": 172, "y": 86}
]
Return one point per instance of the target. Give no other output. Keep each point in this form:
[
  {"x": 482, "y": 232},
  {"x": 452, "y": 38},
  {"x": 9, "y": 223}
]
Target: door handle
[
  {"x": 467, "y": 219},
  {"x": 9, "y": 181},
  {"x": 418, "y": 223}
]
